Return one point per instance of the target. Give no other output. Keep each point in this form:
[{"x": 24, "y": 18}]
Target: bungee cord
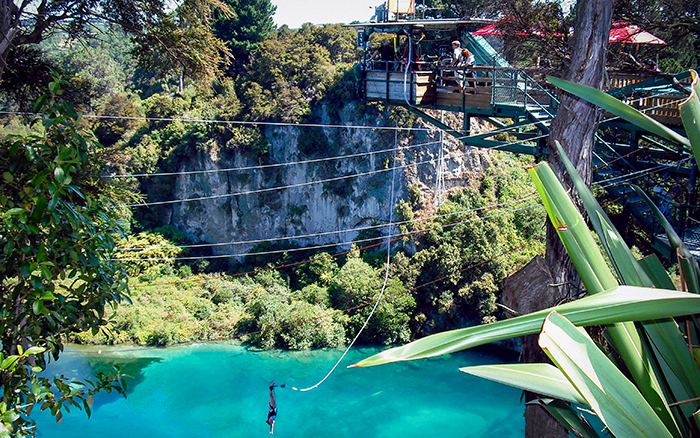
[{"x": 381, "y": 294}]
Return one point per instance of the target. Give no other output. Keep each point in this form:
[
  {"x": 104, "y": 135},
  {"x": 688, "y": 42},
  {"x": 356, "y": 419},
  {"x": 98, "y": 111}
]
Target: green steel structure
[{"x": 420, "y": 79}]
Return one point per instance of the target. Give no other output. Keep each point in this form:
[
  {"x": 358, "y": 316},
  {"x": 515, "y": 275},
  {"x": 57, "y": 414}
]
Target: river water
[{"x": 220, "y": 390}]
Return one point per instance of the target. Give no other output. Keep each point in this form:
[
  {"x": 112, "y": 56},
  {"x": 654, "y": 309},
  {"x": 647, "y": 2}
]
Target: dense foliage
[
  {"x": 244, "y": 30},
  {"x": 467, "y": 253},
  {"x": 181, "y": 39},
  {"x": 56, "y": 276},
  {"x": 314, "y": 299}
]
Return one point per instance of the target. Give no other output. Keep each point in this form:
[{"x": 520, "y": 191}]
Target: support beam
[{"x": 478, "y": 141}]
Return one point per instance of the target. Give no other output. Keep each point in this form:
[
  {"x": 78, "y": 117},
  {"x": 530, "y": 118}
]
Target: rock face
[{"x": 303, "y": 190}]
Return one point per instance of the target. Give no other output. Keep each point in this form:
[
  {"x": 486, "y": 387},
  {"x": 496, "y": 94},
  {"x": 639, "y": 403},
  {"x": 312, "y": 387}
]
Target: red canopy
[
  {"x": 620, "y": 32},
  {"x": 488, "y": 30},
  {"x": 623, "y": 32}
]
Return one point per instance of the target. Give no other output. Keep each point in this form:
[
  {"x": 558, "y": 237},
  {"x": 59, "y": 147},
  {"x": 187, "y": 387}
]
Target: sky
[{"x": 294, "y": 13}]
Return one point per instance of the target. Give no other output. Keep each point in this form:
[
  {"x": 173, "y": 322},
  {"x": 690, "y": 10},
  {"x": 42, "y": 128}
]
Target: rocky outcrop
[{"x": 302, "y": 191}]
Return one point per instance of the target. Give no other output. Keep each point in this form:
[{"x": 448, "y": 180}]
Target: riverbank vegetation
[
  {"x": 446, "y": 272},
  {"x": 317, "y": 299},
  {"x": 157, "y": 89}
]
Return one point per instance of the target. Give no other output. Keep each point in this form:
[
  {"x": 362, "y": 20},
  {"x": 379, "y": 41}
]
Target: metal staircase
[{"x": 615, "y": 166}]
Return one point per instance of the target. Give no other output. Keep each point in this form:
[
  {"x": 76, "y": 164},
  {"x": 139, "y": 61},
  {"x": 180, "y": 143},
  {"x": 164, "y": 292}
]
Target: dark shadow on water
[
  {"x": 133, "y": 368},
  {"x": 86, "y": 365}
]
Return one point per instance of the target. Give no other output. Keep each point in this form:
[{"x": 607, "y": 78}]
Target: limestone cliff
[{"x": 324, "y": 197}]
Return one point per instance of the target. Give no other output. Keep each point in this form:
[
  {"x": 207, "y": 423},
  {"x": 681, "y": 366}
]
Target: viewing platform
[{"x": 495, "y": 91}]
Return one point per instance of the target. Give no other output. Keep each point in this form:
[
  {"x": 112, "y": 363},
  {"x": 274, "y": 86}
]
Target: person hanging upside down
[{"x": 272, "y": 408}]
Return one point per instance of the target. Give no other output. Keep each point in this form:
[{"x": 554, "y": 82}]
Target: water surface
[{"x": 220, "y": 390}]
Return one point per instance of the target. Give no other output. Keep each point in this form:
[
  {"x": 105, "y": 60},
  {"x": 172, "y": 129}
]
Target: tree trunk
[
  {"x": 7, "y": 33},
  {"x": 529, "y": 290},
  {"x": 574, "y": 127}
]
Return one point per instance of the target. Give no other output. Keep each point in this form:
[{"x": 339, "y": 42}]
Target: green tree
[
  {"x": 183, "y": 44},
  {"x": 121, "y": 119},
  {"x": 56, "y": 270},
  {"x": 243, "y": 31},
  {"x": 23, "y": 89},
  {"x": 358, "y": 284},
  {"x": 156, "y": 29}
]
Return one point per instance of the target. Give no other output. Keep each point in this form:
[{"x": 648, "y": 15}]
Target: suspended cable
[
  {"x": 345, "y": 310},
  {"x": 269, "y": 166},
  {"x": 289, "y": 265},
  {"x": 328, "y": 245},
  {"x": 311, "y": 161},
  {"x": 630, "y": 176},
  {"x": 386, "y": 280},
  {"x": 229, "y": 122},
  {"x": 326, "y": 233},
  {"x": 270, "y": 189}
]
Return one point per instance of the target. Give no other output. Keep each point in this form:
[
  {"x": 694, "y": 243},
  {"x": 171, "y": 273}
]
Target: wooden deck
[
  {"x": 442, "y": 87},
  {"x": 663, "y": 107},
  {"x": 417, "y": 88}
]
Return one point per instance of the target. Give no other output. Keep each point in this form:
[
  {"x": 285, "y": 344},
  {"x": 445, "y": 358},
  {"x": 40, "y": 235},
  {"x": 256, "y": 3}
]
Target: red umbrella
[
  {"x": 492, "y": 29},
  {"x": 622, "y": 32}
]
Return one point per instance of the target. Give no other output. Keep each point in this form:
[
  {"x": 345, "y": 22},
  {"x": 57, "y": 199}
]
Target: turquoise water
[{"x": 220, "y": 390}]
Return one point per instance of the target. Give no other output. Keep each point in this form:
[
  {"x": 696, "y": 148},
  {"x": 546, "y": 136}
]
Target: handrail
[{"x": 552, "y": 99}]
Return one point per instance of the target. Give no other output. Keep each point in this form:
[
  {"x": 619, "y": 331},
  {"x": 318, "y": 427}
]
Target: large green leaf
[
  {"x": 621, "y": 257},
  {"x": 680, "y": 370},
  {"x": 619, "y": 109},
  {"x": 540, "y": 378},
  {"x": 656, "y": 271},
  {"x": 615, "y": 400},
  {"x": 690, "y": 114},
  {"x": 572, "y": 230},
  {"x": 637, "y": 359},
  {"x": 623, "y": 303},
  {"x": 624, "y": 335}
]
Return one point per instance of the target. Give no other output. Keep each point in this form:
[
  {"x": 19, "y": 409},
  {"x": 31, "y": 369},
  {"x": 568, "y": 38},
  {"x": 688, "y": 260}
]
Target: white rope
[
  {"x": 267, "y": 166},
  {"x": 307, "y": 248},
  {"x": 439, "y": 195},
  {"x": 227, "y": 122},
  {"x": 386, "y": 280}
]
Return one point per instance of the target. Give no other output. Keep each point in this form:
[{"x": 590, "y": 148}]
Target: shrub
[
  {"x": 314, "y": 294},
  {"x": 310, "y": 326}
]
